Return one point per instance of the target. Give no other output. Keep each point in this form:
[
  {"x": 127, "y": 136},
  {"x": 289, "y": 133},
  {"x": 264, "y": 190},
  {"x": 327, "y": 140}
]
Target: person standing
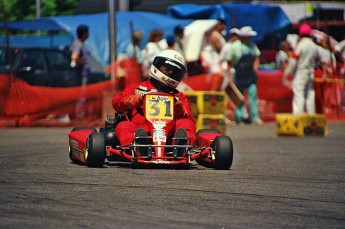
[
  {"x": 303, "y": 61},
  {"x": 224, "y": 54},
  {"x": 214, "y": 45},
  {"x": 135, "y": 53},
  {"x": 282, "y": 57},
  {"x": 178, "y": 43},
  {"x": 155, "y": 45},
  {"x": 80, "y": 59},
  {"x": 171, "y": 42},
  {"x": 133, "y": 50},
  {"x": 339, "y": 50},
  {"x": 244, "y": 58},
  {"x": 325, "y": 68}
]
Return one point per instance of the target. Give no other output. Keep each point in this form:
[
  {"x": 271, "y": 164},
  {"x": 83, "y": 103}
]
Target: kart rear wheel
[
  {"x": 223, "y": 148},
  {"x": 70, "y": 147},
  {"x": 70, "y": 154},
  {"x": 95, "y": 150}
]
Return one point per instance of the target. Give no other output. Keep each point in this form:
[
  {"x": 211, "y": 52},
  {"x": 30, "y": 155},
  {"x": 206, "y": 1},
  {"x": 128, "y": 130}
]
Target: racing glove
[
  {"x": 180, "y": 112},
  {"x": 132, "y": 101}
]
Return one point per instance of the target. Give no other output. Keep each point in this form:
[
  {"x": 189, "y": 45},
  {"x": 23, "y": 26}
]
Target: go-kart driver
[{"x": 166, "y": 72}]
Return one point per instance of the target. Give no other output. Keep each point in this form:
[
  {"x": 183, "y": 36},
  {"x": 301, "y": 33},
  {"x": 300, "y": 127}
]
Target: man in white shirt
[{"x": 303, "y": 61}]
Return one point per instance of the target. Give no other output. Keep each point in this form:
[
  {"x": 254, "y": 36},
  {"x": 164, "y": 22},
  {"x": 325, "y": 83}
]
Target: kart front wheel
[
  {"x": 223, "y": 152},
  {"x": 95, "y": 150}
]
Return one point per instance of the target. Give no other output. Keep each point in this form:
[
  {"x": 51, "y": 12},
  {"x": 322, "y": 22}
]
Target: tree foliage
[{"x": 17, "y": 10}]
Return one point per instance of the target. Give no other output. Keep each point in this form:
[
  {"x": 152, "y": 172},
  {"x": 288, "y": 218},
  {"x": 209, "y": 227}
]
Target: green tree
[{"x": 17, "y": 10}]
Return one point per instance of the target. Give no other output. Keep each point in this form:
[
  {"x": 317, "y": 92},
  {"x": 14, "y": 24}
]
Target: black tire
[
  {"x": 84, "y": 128},
  {"x": 223, "y": 148},
  {"x": 95, "y": 150}
]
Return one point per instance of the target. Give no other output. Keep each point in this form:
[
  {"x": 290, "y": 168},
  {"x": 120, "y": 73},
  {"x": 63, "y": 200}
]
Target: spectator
[
  {"x": 133, "y": 49},
  {"x": 327, "y": 58},
  {"x": 179, "y": 35},
  {"x": 224, "y": 55},
  {"x": 166, "y": 72},
  {"x": 339, "y": 50},
  {"x": 340, "y": 53},
  {"x": 244, "y": 58},
  {"x": 80, "y": 60},
  {"x": 326, "y": 97},
  {"x": 303, "y": 60},
  {"x": 155, "y": 45},
  {"x": 282, "y": 57},
  {"x": 215, "y": 43},
  {"x": 171, "y": 42}
]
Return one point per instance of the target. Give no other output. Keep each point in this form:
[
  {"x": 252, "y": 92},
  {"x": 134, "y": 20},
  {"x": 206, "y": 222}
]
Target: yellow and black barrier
[
  {"x": 208, "y": 107},
  {"x": 301, "y": 124}
]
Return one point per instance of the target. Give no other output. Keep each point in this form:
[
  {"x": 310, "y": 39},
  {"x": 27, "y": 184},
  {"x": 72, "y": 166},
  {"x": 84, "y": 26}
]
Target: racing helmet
[{"x": 168, "y": 68}]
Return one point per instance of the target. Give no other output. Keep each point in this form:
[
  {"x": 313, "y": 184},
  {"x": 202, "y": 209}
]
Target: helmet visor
[{"x": 170, "y": 68}]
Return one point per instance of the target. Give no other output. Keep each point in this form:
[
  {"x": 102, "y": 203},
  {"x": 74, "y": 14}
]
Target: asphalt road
[{"x": 274, "y": 182}]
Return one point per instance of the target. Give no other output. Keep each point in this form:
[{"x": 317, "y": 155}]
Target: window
[
  {"x": 4, "y": 59},
  {"x": 33, "y": 58},
  {"x": 57, "y": 60}
]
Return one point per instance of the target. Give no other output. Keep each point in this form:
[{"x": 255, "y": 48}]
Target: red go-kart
[{"x": 92, "y": 147}]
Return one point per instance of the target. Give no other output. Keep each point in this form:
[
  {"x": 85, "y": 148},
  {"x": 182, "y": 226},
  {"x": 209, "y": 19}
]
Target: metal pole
[
  {"x": 38, "y": 8},
  {"x": 112, "y": 36},
  {"x": 7, "y": 34}
]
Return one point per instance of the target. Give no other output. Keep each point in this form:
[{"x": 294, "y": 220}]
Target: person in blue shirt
[{"x": 244, "y": 58}]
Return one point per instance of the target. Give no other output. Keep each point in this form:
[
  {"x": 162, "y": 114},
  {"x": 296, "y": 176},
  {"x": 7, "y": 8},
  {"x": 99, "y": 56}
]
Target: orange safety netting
[
  {"x": 22, "y": 104},
  {"x": 21, "y": 101},
  {"x": 127, "y": 71}
]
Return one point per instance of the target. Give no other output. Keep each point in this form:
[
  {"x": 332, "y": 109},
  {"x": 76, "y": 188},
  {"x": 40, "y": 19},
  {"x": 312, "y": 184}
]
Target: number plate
[{"x": 159, "y": 107}]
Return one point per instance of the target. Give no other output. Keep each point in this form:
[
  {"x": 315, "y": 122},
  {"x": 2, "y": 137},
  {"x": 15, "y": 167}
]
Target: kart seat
[{"x": 109, "y": 128}]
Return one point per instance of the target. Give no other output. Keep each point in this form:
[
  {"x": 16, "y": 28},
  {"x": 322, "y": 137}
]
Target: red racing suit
[{"x": 125, "y": 130}]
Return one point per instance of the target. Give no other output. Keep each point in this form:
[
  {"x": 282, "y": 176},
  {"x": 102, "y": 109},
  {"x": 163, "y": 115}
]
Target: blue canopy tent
[
  {"x": 264, "y": 19},
  {"x": 40, "y": 24},
  {"x": 98, "y": 42},
  {"x": 44, "y": 24}
]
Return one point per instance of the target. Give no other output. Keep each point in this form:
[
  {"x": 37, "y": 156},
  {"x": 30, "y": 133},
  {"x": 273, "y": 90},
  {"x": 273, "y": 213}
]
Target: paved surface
[{"x": 275, "y": 182}]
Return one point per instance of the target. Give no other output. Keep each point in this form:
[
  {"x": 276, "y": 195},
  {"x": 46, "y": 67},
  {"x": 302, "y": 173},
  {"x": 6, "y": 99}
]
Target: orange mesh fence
[
  {"x": 21, "y": 101},
  {"x": 204, "y": 82},
  {"x": 126, "y": 71},
  {"x": 22, "y": 104},
  {"x": 270, "y": 86},
  {"x": 330, "y": 94}
]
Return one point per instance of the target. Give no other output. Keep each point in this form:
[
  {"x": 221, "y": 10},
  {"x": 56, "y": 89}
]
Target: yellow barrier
[
  {"x": 329, "y": 80},
  {"x": 211, "y": 121},
  {"x": 301, "y": 125},
  {"x": 207, "y": 102}
]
